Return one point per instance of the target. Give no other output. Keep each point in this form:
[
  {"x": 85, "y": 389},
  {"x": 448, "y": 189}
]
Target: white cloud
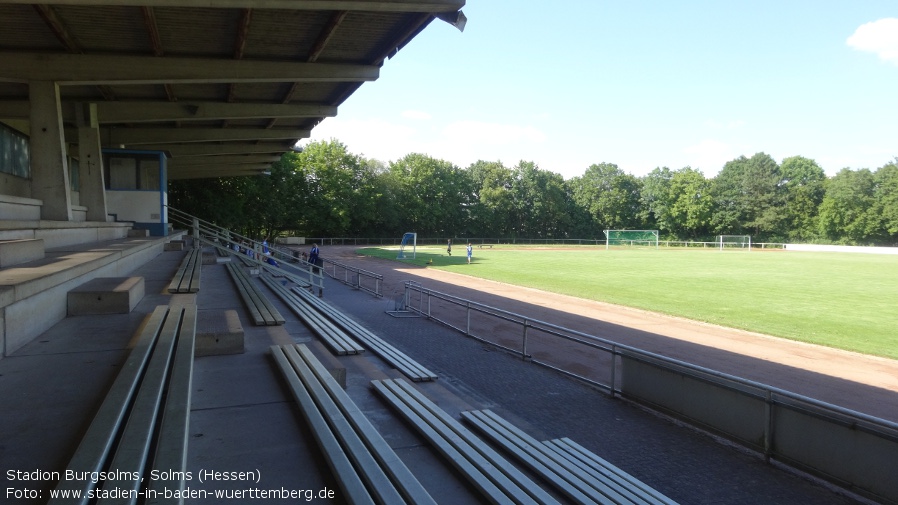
[
  {"x": 480, "y": 132},
  {"x": 729, "y": 125},
  {"x": 371, "y": 138},
  {"x": 709, "y": 155},
  {"x": 416, "y": 114},
  {"x": 880, "y": 37}
]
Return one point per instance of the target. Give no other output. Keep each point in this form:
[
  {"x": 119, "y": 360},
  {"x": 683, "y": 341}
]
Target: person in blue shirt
[
  {"x": 470, "y": 251},
  {"x": 313, "y": 255}
]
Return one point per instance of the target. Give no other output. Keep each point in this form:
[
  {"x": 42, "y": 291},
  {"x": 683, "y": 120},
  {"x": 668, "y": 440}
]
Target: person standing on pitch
[
  {"x": 449, "y": 247},
  {"x": 470, "y": 252}
]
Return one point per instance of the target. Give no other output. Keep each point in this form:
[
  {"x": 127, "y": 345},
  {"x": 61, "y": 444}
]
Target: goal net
[
  {"x": 408, "y": 240},
  {"x": 631, "y": 238},
  {"x": 742, "y": 242}
]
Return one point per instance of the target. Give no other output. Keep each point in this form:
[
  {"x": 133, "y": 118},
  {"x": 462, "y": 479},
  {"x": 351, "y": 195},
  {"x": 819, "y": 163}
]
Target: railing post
[
  {"x": 768, "y": 429},
  {"x": 524, "y": 340},
  {"x": 196, "y": 228},
  {"x": 611, "y": 385},
  {"x": 468, "y": 318}
]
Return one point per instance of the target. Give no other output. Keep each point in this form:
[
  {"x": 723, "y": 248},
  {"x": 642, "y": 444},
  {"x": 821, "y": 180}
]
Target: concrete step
[
  {"x": 16, "y": 252},
  {"x": 106, "y": 295}
]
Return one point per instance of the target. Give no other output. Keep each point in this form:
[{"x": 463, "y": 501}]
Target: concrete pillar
[
  {"x": 49, "y": 171},
  {"x": 90, "y": 158}
]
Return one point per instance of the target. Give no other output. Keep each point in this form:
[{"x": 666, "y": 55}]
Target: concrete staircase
[{"x": 41, "y": 262}]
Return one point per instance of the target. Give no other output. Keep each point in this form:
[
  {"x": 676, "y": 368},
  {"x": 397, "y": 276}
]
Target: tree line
[{"x": 327, "y": 191}]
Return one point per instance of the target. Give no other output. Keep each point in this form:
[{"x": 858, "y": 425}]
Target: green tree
[
  {"x": 886, "y": 196},
  {"x": 691, "y": 204},
  {"x": 433, "y": 195},
  {"x": 803, "y": 184},
  {"x": 339, "y": 193},
  {"x": 609, "y": 195},
  {"x": 493, "y": 209},
  {"x": 847, "y": 213},
  {"x": 748, "y": 199},
  {"x": 540, "y": 201},
  {"x": 655, "y": 199}
]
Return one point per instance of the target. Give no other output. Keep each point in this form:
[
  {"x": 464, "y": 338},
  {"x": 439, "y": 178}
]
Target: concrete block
[
  {"x": 218, "y": 332},
  {"x": 137, "y": 232},
  {"x": 209, "y": 258},
  {"x": 106, "y": 295},
  {"x": 330, "y": 362},
  {"x": 79, "y": 213},
  {"x": 174, "y": 245},
  {"x": 15, "y": 252}
]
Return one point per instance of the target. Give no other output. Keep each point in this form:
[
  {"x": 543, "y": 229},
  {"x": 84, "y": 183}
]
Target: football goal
[
  {"x": 742, "y": 242},
  {"x": 408, "y": 240},
  {"x": 631, "y": 238}
]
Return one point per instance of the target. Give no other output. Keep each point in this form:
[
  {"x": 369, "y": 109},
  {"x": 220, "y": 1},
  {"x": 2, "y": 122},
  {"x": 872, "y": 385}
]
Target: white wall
[{"x": 841, "y": 248}]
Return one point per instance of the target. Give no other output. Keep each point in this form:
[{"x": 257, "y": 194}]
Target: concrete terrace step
[
  {"x": 33, "y": 295},
  {"x": 63, "y": 233},
  {"x": 15, "y": 252}
]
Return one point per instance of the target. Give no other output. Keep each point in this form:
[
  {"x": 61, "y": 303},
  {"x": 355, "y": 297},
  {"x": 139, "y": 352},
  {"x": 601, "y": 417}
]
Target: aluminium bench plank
[
  {"x": 578, "y": 486},
  {"x": 97, "y": 443},
  {"x": 408, "y": 366},
  {"x": 171, "y": 447},
  {"x": 336, "y": 339},
  {"x": 338, "y": 460},
  {"x": 486, "y": 469},
  {"x": 187, "y": 277},
  {"x": 599, "y": 467},
  {"x": 360, "y": 451},
  {"x": 261, "y": 309}
]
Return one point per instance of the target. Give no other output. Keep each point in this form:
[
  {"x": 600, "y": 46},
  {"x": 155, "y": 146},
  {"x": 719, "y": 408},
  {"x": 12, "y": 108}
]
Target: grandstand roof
[{"x": 224, "y": 86}]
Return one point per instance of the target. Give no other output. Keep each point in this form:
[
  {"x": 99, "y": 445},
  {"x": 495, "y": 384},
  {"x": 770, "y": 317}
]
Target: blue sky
[{"x": 640, "y": 84}]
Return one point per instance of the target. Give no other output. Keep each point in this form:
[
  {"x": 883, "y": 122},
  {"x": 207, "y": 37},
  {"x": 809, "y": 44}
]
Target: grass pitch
[{"x": 847, "y": 301}]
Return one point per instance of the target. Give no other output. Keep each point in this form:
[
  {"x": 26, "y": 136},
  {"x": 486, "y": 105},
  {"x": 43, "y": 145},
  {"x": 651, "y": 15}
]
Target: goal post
[
  {"x": 631, "y": 238},
  {"x": 409, "y": 239},
  {"x": 742, "y": 242}
]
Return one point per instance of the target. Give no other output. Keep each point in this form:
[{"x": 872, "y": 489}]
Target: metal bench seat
[
  {"x": 334, "y": 337},
  {"x": 258, "y": 305},
  {"x": 409, "y": 367},
  {"x": 366, "y": 467},
  {"x": 142, "y": 424},
  {"x": 578, "y": 473},
  {"x": 488, "y": 471},
  {"x": 187, "y": 277}
]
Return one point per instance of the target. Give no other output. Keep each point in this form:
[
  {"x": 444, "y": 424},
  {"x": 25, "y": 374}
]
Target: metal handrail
[
  {"x": 202, "y": 230},
  {"x": 353, "y": 276}
]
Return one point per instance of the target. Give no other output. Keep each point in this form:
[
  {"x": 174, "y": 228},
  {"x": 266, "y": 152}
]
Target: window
[
  {"x": 133, "y": 172},
  {"x": 15, "y": 153},
  {"x": 74, "y": 174}
]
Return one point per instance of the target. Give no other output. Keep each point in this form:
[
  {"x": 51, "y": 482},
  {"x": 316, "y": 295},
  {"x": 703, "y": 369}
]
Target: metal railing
[
  {"x": 792, "y": 428},
  {"x": 356, "y": 277},
  {"x": 426, "y": 241},
  {"x": 216, "y": 236}
]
